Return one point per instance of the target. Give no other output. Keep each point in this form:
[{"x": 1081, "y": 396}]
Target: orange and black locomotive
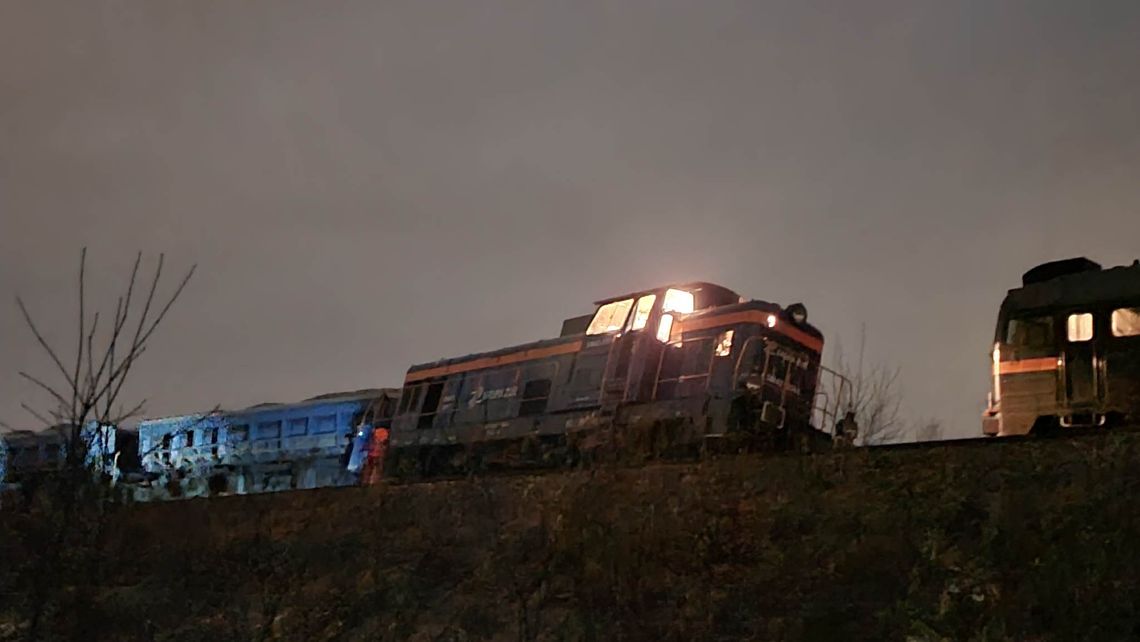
[
  {"x": 692, "y": 364},
  {"x": 1067, "y": 350}
]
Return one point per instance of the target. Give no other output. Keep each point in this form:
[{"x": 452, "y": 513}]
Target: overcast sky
[{"x": 367, "y": 185}]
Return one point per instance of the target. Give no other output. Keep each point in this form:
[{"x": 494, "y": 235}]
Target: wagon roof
[{"x": 329, "y": 398}]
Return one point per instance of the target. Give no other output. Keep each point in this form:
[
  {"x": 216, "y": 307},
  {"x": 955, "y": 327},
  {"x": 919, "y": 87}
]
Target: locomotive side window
[
  {"x": 1030, "y": 333},
  {"x": 411, "y": 399},
  {"x": 665, "y": 328},
  {"x": 537, "y": 383},
  {"x": 534, "y": 397},
  {"x": 1126, "y": 322},
  {"x": 1080, "y": 327},
  {"x": 610, "y": 317},
  {"x": 431, "y": 404},
  {"x": 724, "y": 343}
]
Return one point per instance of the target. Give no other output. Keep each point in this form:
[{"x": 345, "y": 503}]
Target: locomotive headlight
[
  {"x": 771, "y": 320},
  {"x": 997, "y": 353}
]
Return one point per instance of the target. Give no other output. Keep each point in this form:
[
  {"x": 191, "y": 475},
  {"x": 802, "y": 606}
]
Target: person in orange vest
[{"x": 377, "y": 450}]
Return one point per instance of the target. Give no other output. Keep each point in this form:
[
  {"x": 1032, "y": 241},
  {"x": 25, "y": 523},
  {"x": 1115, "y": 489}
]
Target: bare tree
[
  {"x": 85, "y": 389},
  {"x": 872, "y": 395}
]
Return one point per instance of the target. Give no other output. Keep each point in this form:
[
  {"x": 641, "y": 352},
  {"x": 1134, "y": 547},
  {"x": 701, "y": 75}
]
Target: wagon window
[
  {"x": 324, "y": 424},
  {"x": 269, "y": 430},
  {"x": 610, "y": 317},
  {"x": 1030, "y": 333},
  {"x": 298, "y": 426},
  {"x": 1080, "y": 327},
  {"x": 1126, "y": 322}
]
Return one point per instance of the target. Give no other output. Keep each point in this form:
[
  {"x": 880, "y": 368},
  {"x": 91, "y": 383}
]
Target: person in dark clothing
[
  {"x": 347, "y": 456},
  {"x": 846, "y": 430}
]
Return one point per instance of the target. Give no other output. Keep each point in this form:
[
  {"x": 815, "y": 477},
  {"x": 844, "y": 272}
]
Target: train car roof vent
[{"x": 1055, "y": 269}]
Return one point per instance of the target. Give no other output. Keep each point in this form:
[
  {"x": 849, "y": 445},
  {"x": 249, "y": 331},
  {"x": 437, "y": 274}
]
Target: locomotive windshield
[
  {"x": 610, "y": 317},
  {"x": 644, "y": 308},
  {"x": 1030, "y": 333},
  {"x": 613, "y": 316}
]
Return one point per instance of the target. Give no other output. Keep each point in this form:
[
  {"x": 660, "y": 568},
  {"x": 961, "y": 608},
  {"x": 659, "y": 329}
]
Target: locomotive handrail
[{"x": 827, "y": 407}]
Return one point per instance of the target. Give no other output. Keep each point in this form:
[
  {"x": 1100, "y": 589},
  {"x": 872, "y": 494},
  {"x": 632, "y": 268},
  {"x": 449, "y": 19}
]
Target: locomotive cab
[{"x": 628, "y": 334}]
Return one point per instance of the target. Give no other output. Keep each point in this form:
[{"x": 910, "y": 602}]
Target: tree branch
[
  {"x": 82, "y": 328},
  {"x": 40, "y": 338},
  {"x": 36, "y": 414},
  {"x": 46, "y": 387}
]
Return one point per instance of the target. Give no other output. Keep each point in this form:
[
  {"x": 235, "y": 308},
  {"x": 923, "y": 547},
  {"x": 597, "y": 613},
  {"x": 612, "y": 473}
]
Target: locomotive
[
  {"x": 1066, "y": 350},
  {"x": 676, "y": 369}
]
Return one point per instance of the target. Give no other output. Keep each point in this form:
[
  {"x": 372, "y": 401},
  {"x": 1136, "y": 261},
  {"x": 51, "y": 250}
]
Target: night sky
[{"x": 368, "y": 185}]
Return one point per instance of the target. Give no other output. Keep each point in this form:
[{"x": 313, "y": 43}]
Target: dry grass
[{"x": 1014, "y": 542}]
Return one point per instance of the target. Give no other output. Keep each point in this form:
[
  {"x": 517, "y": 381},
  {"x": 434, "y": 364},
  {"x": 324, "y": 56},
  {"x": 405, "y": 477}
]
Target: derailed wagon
[{"x": 662, "y": 372}]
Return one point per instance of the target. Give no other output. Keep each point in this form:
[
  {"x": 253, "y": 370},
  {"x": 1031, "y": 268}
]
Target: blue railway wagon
[
  {"x": 696, "y": 351},
  {"x": 25, "y": 452},
  {"x": 264, "y": 448}
]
